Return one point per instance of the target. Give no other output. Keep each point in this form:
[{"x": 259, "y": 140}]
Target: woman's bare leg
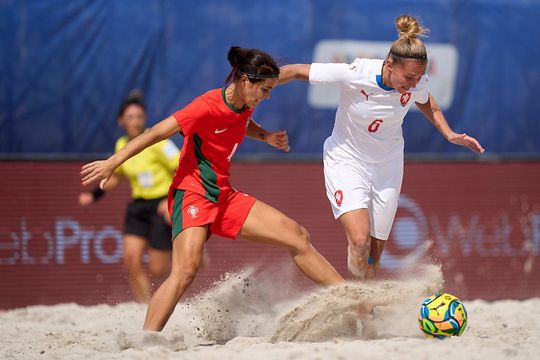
[
  {"x": 356, "y": 225},
  {"x": 186, "y": 258},
  {"x": 267, "y": 225},
  {"x": 377, "y": 247},
  {"x": 361, "y": 245},
  {"x": 134, "y": 247},
  {"x": 159, "y": 262},
  {"x": 159, "y": 265}
]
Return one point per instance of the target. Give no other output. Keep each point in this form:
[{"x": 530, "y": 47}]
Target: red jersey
[{"x": 213, "y": 129}]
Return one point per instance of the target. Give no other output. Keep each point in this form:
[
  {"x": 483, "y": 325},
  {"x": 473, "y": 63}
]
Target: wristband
[{"x": 97, "y": 193}]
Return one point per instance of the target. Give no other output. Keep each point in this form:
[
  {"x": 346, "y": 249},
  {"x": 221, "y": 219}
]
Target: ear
[
  {"x": 244, "y": 79},
  {"x": 389, "y": 65}
]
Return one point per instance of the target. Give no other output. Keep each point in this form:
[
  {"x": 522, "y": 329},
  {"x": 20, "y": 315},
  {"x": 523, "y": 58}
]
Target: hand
[
  {"x": 279, "y": 140},
  {"x": 85, "y": 199},
  {"x": 467, "y": 141},
  {"x": 163, "y": 210},
  {"x": 98, "y": 170}
]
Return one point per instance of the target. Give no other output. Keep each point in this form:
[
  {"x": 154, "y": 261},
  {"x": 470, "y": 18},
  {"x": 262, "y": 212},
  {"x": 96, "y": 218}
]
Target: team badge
[
  {"x": 405, "y": 97},
  {"x": 193, "y": 211},
  {"x": 338, "y": 195}
]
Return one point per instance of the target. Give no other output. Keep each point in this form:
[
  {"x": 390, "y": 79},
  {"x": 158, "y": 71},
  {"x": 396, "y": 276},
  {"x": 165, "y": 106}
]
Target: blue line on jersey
[
  {"x": 381, "y": 84},
  {"x": 369, "y": 260}
]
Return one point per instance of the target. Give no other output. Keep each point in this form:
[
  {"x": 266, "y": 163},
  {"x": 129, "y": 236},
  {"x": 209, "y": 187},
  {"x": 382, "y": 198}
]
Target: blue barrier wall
[{"x": 65, "y": 66}]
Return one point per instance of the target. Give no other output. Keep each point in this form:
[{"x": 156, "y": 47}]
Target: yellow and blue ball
[{"x": 442, "y": 315}]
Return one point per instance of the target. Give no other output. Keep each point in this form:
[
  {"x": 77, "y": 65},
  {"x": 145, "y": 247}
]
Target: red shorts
[{"x": 226, "y": 218}]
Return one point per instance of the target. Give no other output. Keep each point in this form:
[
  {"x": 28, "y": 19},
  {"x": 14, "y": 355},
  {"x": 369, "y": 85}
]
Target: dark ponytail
[
  {"x": 134, "y": 98},
  {"x": 254, "y": 63}
]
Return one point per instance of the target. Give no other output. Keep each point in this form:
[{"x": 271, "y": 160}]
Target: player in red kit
[
  {"x": 213, "y": 129},
  {"x": 201, "y": 199}
]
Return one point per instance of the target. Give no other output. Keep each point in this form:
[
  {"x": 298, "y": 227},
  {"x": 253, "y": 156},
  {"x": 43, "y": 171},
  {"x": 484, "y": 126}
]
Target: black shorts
[{"x": 143, "y": 220}]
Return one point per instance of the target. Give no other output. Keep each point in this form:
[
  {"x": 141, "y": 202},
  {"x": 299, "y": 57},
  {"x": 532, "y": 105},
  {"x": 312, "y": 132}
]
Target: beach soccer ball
[{"x": 442, "y": 315}]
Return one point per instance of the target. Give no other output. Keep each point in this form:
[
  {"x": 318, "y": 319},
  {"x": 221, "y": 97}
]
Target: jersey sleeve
[
  {"x": 422, "y": 94},
  {"x": 336, "y": 74},
  {"x": 193, "y": 118}
]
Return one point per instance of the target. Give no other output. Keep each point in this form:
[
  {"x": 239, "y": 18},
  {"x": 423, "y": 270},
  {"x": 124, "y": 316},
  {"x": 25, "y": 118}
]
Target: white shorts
[{"x": 352, "y": 184}]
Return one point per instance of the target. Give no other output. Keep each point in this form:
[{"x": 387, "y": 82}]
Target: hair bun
[
  {"x": 234, "y": 55},
  {"x": 409, "y": 27},
  {"x": 135, "y": 95}
]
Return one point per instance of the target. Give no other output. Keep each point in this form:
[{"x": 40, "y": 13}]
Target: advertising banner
[
  {"x": 68, "y": 65},
  {"x": 483, "y": 221}
]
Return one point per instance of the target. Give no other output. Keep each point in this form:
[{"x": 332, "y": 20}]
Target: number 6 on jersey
[{"x": 374, "y": 126}]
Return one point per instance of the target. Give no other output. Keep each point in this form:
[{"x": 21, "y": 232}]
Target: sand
[{"x": 260, "y": 315}]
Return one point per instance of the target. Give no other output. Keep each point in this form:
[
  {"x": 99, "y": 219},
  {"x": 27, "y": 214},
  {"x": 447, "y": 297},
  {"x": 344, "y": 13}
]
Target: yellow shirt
[{"x": 150, "y": 172}]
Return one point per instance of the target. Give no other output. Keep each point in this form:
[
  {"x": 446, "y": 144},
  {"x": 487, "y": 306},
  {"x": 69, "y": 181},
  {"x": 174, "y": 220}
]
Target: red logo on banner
[
  {"x": 338, "y": 195},
  {"x": 405, "y": 97}
]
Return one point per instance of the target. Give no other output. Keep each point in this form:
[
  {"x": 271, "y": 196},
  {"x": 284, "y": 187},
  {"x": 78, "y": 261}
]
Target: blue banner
[{"x": 67, "y": 65}]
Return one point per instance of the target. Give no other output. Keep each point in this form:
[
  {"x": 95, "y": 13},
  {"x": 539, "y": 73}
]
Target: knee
[
  {"x": 185, "y": 272},
  {"x": 302, "y": 241},
  {"x": 159, "y": 269},
  {"x": 132, "y": 262},
  {"x": 360, "y": 241}
]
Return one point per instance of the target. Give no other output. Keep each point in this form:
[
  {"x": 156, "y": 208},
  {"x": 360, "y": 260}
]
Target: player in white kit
[{"x": 363, "y": 158}]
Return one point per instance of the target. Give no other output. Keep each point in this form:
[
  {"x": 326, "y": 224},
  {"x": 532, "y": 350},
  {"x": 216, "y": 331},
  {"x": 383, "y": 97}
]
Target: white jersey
[{"x": 370, "y": 114}]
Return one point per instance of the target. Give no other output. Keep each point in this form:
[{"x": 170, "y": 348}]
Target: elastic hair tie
[
  {"x": 416, "y": 57},
  {"x": 260, "y": 77}
]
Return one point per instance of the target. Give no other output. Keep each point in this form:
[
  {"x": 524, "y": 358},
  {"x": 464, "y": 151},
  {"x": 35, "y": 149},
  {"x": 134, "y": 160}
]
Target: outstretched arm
[
  {"x": 102, "y": 170},
  {"x": 433, "y": 112},
  {"x": 277, "y": 139},
  {"x": 293, "y": 72}
]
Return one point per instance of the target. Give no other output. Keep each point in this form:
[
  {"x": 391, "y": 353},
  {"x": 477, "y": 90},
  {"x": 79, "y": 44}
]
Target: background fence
[{"x": 484, "y": 220}]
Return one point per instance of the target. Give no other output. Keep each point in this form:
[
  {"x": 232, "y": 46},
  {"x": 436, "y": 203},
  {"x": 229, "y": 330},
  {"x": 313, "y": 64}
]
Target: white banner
[{"x": 442, "y": 68}]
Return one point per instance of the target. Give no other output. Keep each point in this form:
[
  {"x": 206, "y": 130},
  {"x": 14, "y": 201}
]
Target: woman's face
[
  {"x": 405, "y": 74},
  {"x": 133, "y": 120},
  {"x": 254, "y": 93}
]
